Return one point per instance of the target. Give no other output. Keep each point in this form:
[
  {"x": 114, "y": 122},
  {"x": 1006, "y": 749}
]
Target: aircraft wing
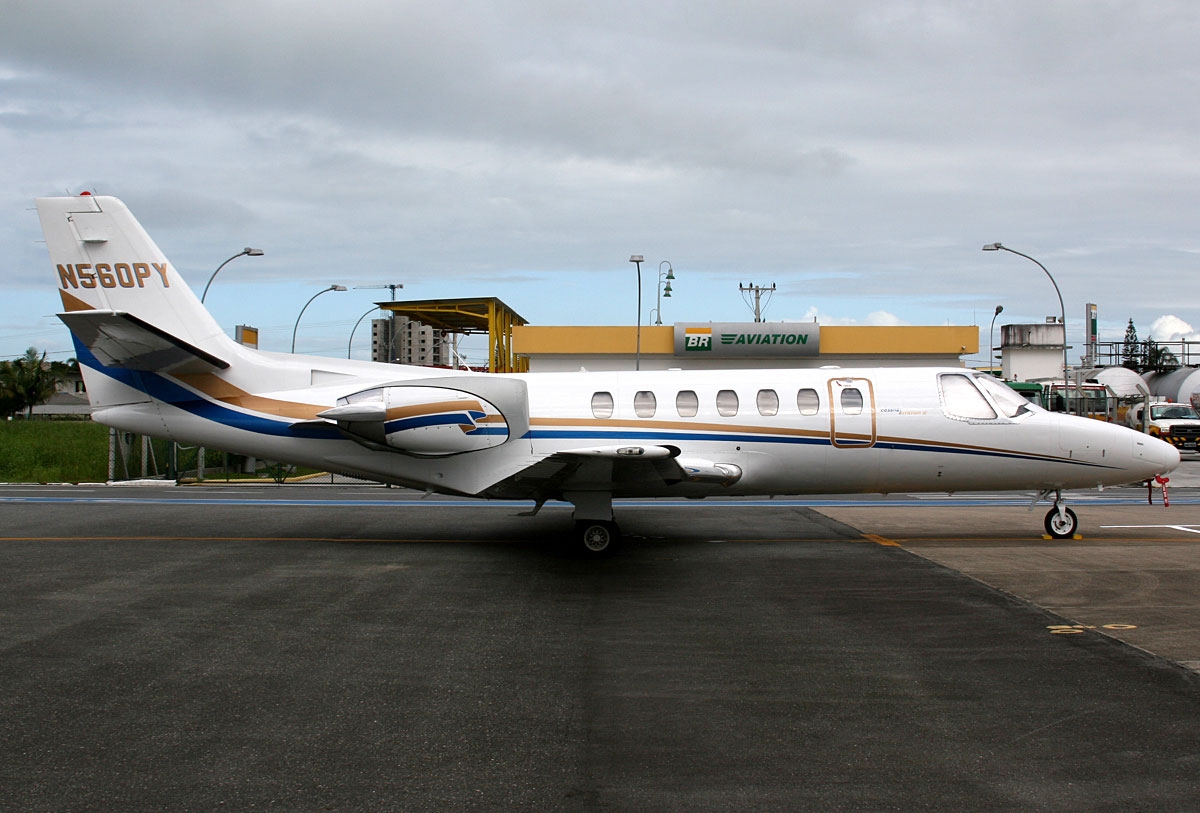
[
  {"x": 622, "y": 470},
  {"x": 123, "y": 340}
]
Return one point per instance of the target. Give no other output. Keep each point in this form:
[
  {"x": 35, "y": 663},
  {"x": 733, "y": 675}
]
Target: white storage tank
[{"x": 1181, "y": 386}]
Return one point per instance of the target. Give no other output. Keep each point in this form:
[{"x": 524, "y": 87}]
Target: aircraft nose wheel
[
  {"x": 1061, "y": 524},
  {"x": 599, "y": 538}
]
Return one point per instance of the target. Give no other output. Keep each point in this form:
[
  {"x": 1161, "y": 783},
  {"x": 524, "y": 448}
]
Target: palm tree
[
  {"x": 1159, "y": 359},
  {"x": 26, "y": 382}
]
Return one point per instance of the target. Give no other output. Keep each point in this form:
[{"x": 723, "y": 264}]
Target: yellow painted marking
[
  {"x": 881, "y": 540},
  {"x": 73, "y": 303},
  {"x": 1076, "y": 629}
]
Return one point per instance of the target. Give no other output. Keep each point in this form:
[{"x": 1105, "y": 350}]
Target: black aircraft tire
[
  {"x": 1059, "y": 528},
  {"x": 597, "y": 538}
]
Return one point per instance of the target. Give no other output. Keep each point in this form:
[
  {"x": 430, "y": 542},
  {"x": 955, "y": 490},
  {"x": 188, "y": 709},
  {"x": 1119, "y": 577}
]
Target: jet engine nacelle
[{"x": 420, "y": 420}]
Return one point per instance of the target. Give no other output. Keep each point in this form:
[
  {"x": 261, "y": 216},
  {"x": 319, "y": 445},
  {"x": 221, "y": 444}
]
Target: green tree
[
  {"x": 26, "y": 382},
  {"x": 1159, "y": 359},
  {"x": 10, "y": 402},
  {"x": 1131, "y": 351}
]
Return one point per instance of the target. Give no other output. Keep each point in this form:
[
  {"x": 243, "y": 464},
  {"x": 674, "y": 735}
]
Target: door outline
[{"x": 851, "y": 431}]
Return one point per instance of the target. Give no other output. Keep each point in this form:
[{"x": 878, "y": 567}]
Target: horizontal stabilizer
[{"x": 122, "y": 340}]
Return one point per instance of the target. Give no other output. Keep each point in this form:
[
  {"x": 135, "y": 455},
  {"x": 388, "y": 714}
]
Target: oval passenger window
[
  {"x": 644, "y": 404},
  {"x": 727, "y": 403},
  {"x": 602, "y": 405}
]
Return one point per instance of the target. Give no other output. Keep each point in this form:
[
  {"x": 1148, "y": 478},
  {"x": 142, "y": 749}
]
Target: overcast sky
[{"x": 857, "y": 155}]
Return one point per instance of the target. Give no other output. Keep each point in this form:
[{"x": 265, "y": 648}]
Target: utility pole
[{"x": 757, "y": 291}]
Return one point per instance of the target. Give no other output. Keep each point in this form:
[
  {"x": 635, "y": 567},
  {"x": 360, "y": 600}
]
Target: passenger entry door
[{"x": 852, "y": 413}]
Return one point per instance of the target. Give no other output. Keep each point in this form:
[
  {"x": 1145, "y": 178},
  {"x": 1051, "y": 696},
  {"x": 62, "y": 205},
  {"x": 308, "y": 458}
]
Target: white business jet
[{"x": 156, "y": 363}]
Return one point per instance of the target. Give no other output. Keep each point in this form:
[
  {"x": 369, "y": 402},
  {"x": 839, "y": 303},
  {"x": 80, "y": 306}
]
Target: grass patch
[
  {"x": 77, "y": 452},
  {"x": 53, "y": 452}
]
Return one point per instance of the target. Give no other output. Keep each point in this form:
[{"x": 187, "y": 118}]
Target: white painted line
[{"x": 1191, "y": 529}]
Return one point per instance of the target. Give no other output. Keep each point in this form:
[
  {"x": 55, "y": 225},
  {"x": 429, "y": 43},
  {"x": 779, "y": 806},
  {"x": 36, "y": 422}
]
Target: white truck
[{"x": 1178, "y": 424}]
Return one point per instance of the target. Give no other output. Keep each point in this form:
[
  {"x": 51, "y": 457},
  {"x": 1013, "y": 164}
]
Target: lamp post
[
  {"x": 1062, "y": 310},
  {"x": 306, "y": 304},
  {"x": 247, "y": 251},
  {"x": 991, "y": 342},
  {"x": 637, "y": 259},
  {"x": 663, "y": 292},
  {"x": 350, "y": 343}
]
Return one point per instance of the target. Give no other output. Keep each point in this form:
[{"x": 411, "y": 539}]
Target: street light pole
[
  {"x": 1062, "y": 310},
  {"x": 991, "y": 342},
  {"x": 350, "y": 343},
  {"x": 247, "y": 252},
  {"x": 663, "y": 292},
  {"x": 306, "y": 304},
  {"x": 637, "y": 259}
]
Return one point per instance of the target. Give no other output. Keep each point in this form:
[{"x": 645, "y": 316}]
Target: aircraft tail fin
[{"x": 121, "y": 296}]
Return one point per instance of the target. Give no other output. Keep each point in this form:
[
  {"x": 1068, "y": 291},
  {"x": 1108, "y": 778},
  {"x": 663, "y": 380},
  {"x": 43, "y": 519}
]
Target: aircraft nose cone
[{"x": 1159, "y": 454}]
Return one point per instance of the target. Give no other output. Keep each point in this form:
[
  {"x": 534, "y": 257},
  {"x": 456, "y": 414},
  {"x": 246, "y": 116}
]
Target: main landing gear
[
  {"x": 597, "y": 537},
  {"x": 596, "y": 534},
  {"x": 1061, "y": 522}
]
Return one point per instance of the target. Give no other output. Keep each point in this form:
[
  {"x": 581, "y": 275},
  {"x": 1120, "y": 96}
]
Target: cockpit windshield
[
  {"x": 963, "y": 398},
  {"x": 1010, "y": 402}
]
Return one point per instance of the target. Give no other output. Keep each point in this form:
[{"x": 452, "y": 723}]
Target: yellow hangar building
[
  {"x": 516, "y": 346},
  {"x": 725, "y": 345}
]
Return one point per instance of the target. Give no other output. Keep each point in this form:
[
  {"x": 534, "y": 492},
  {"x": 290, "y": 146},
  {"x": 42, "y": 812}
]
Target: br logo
[{"x": 697, "y": 338}]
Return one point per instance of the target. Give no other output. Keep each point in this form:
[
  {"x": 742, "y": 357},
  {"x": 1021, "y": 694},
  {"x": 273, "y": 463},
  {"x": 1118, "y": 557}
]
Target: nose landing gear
[{"x": 1061, "y": 522}]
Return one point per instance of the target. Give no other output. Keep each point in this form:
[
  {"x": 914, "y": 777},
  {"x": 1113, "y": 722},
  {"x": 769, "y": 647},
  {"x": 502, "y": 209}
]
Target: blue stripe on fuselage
[{"x": 161, "y": 388}]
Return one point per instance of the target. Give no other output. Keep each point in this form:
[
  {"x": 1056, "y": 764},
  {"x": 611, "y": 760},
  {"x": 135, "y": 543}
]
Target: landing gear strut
[{"x": 1061, "y": 522}]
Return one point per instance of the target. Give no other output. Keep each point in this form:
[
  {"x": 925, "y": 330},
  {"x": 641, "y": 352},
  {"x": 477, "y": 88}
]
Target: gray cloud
[{"x": 860, "y": 155}]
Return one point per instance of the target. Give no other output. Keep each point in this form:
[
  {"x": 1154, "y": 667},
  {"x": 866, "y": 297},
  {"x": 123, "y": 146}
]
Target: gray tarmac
[{"x": 351, "y": 648}]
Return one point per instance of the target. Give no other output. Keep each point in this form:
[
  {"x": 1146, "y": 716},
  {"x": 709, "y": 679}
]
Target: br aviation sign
[{"x": 742, "y": 339}]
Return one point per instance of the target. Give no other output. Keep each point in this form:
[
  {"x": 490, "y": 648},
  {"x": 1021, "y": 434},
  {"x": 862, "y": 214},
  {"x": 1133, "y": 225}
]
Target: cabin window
[
  {"x": 644, "y": 404},
  {"x": 727, "y": 403},
  {"x": 602, "y": 405},
  {"x": 807, "y": 401},
  {"x": 687, "y": 404},
  {"x": 767, "y": 402},
  {"x": 961, "y": 399},
  {"x": 852, "y": 401}
]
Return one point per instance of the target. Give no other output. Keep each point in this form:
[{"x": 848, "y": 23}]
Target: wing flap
[{"x": 617, "y": 470}]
